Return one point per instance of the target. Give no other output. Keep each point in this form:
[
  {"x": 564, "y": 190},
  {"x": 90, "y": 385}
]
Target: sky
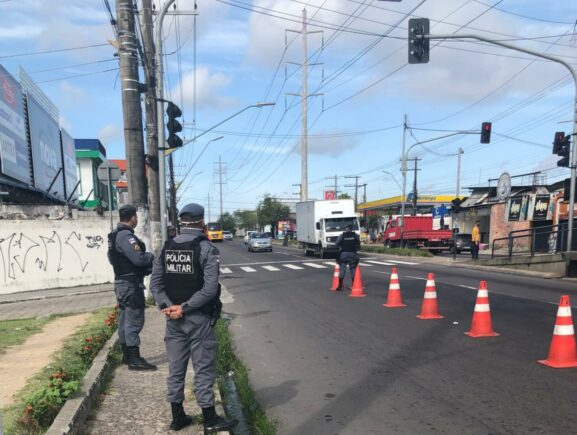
[{"x": 362, "y": 85}]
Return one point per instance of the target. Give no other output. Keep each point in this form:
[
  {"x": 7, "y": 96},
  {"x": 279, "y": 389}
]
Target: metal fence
[{"x": 548, "y": 239}]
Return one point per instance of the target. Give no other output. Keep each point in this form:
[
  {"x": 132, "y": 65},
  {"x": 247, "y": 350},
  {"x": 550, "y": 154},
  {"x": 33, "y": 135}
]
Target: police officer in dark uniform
[
  {"x": 131, "y": 263},
  {"x": 185, "y": 286},
  {"x": 350, "y": 243}
]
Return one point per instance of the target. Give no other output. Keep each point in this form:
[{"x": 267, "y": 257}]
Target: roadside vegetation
[
  {"x": 13, "y": 332},
  {"x": 38, "y": 403},
  {"x": 228, "y": 362},
  {"x": 396, "y": 251}
]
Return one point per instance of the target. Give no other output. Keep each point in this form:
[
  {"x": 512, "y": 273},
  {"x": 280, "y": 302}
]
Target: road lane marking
[
  {"x": 329, "y": 263},
  {"x": 416, "y": 277},
  {"x": 365, "y": 264},
  {"x": 468, "y": 287},
  {"x": 271, "y": 268},
  {"x": 225, "y": 270},
  {"x": 248, "y": 269},
  {"x": 402, "y": 262},
  {"x": 315, "y": 266},
  {"x": 380, "y": 262},
  {"x": 257, "y": 263},
  {"x": 292, "y": 266}
]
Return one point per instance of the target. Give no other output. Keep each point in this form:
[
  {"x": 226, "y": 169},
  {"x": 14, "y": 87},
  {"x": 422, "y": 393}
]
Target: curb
[{"x": 70, "y": 419}]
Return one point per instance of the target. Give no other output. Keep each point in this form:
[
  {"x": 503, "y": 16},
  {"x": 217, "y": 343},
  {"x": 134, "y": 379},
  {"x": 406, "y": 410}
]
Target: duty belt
[{"x": 131, "y": 277}]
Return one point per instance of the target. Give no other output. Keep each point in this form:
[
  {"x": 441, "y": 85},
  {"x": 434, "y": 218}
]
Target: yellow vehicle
[{"x": 214, "y": 231}]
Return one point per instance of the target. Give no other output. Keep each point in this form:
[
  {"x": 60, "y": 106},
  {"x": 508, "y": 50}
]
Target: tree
[
  {"x": 373, "y": 221},
  {"x": 270, "y": 211},
  {"x": 245, "y": 219},
  {"x": 228, "y": 222},
  {"x": 344, "y": 195}
]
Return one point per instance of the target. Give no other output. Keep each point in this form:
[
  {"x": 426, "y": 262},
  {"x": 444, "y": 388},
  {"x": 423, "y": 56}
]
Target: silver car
[{"x": 260, "y": 242}]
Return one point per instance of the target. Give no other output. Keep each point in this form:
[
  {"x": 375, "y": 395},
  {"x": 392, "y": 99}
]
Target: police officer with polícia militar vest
[
  {"x": 350, "y": 243},
  {"x": 131, "y": 263},
  {"x": 185, "y": 286}
]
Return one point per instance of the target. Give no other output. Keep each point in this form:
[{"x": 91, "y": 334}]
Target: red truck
[{"x": 418, "y": 233}]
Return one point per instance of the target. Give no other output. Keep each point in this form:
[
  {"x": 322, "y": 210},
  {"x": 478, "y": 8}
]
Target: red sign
[{"x": 329, "y": 195}]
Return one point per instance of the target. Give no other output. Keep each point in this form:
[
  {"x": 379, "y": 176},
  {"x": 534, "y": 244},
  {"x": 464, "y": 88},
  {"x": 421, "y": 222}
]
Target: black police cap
[{"x": 191, "y": 212}]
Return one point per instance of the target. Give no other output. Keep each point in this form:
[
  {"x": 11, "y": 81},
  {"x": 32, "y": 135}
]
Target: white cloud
[
  {"x": 332, "y": 146},
  {"x": 210, "y": 87},
  {"x": 65, "y": 124},
  {"x": 109, "y": 133},
  {"x": 20, "y": 32},
  {"x": 71, "y": 96}
]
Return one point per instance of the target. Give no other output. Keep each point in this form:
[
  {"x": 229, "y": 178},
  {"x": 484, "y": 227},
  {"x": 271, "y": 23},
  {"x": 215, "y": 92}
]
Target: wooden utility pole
[
  {"x": 151, "y": 124},
  {"x": 132, "y": 110}
]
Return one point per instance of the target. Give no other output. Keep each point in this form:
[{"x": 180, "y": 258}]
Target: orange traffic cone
[
  {"x": 357, "y": 288},
  {"x": 394, "y": 297},
  {"x": 430, "y": 309},
  {"x": 482, "y": 326},
  {"x": 562, "y": 353},
  {"x": 336, "y": 278}
]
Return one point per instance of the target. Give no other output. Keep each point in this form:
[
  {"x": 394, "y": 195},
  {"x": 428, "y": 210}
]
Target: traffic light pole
[{"x": 573, "y": 160}]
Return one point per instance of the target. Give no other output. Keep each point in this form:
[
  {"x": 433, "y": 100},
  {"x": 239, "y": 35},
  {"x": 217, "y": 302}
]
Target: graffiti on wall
[{"x": 57, "y": 252}]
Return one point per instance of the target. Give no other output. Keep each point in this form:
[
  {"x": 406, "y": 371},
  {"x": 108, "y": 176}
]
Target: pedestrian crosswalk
[{"x": 278, "y": 267}]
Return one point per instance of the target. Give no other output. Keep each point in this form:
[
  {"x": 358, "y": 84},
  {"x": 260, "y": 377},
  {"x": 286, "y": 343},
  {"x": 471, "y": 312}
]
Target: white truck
[{"x": 320, "y": 223}]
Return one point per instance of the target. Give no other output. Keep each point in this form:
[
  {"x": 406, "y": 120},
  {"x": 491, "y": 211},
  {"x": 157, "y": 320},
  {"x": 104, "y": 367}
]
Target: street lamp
[
  {"x": 162, "y": 153},
  {"x": 394, "y": 179}
]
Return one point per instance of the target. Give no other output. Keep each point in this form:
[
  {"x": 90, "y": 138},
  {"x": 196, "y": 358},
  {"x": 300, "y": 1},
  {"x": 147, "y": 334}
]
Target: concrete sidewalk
[{"x": 136, "y": 401}]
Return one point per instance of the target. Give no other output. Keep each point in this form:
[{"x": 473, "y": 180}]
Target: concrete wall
[{"x": 42, "y": 247}]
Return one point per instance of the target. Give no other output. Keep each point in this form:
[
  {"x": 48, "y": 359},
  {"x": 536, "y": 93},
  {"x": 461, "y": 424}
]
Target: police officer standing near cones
[
  {"x": 131, "y": 263},
  {"x": 350, "y": 243},
  {"x": 185, "y": 286}
]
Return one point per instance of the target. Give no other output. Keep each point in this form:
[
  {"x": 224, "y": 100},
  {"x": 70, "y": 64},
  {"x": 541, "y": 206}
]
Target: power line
[
  {"x": 79, "y": 75},
  {"x": 543, "y": 20},
  {"x": 72, "y": 66},
  {"x": 58, "y": 50}
]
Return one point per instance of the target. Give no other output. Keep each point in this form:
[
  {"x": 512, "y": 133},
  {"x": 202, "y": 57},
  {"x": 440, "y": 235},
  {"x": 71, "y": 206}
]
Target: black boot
[
  {"x": 136, "y": 362},
  {"x": 179, "y": 418},
  {"x": 214, "y": 423},
  {"x": 340, "y": 287},
  {"x": 124, "y": 354}
]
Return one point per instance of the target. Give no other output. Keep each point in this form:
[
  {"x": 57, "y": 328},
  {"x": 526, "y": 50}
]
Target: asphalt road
[{"x": 324, "y": 363}]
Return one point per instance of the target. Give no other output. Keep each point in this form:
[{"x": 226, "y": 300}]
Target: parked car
[
  {"x": 260, "y": 242},
  {"x": 248, "y": 235},
  {"x": 463, "y": 243},
  {"x": 227, "y": 235}
]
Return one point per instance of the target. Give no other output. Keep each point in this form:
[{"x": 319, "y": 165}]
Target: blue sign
[
  {"x": 13, "y": 145},
  {"x": 69, "y": 160},
  {"x": 46, "y": 150}
]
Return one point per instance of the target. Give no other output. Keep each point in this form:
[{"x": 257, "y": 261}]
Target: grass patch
[
  {"x": 227, "y": 361},
  {"x": 396, "y": 251},
  {"x": 13, "y": 332},
  {"x": 39, "y": 402}
]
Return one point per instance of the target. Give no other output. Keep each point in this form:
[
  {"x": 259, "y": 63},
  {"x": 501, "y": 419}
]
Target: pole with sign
[{"x": 108, "y": 173}]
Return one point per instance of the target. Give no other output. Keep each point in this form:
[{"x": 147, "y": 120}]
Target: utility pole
[
  {"x": 304, "y": 95},
  {"x": 356, "y": 186},
  {"x": 336, "y": 186},
  {"x": 151, "y": 124},
  {"x": 220, "y": 183},
  {"x": 404, "y": 172},
  {"x": 364, "y": 186},
  {"x": 208, "y": 207},
  {"x": 172, "y": 188},
  {"x": 453, "y": 215},
  {"x": 415, "y": 195},
  {"x": 132, "y": 110}
]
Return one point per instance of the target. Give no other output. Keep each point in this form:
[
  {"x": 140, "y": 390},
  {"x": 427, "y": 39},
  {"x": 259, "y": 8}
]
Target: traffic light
[
  {"x": 173, "y": 112},
  {"x": 418, "y": 40},
  {"x": 562, "y": 147},
  {"x": 486, "y": 132}
]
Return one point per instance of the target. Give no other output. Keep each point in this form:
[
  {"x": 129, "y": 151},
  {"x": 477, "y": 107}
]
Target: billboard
[
  {"x": 13, "y": 145},
  {"x": 46, "y": 150},
  {"x": 69, "y": 162},
  {"x": 541, "y": 207},
  {"x": 515, "y": 205},
  {"x": 329, "y": 195}
]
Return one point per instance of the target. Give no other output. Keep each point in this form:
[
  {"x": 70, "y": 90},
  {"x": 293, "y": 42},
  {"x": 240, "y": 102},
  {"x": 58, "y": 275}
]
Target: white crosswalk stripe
[
  {"x": 248, "y": 269},
  {"x": 330, "y": 263},
  {"x": 271, "y": 268},
  {"x": 225, "y": 270},
  {"x": 365, "y": 264},
  {"x": 315, "y": 265},
  {"x": 292, "y": 266},
  {"x": 380, "y": 262},
  {"x": 402, "y": 262}
]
